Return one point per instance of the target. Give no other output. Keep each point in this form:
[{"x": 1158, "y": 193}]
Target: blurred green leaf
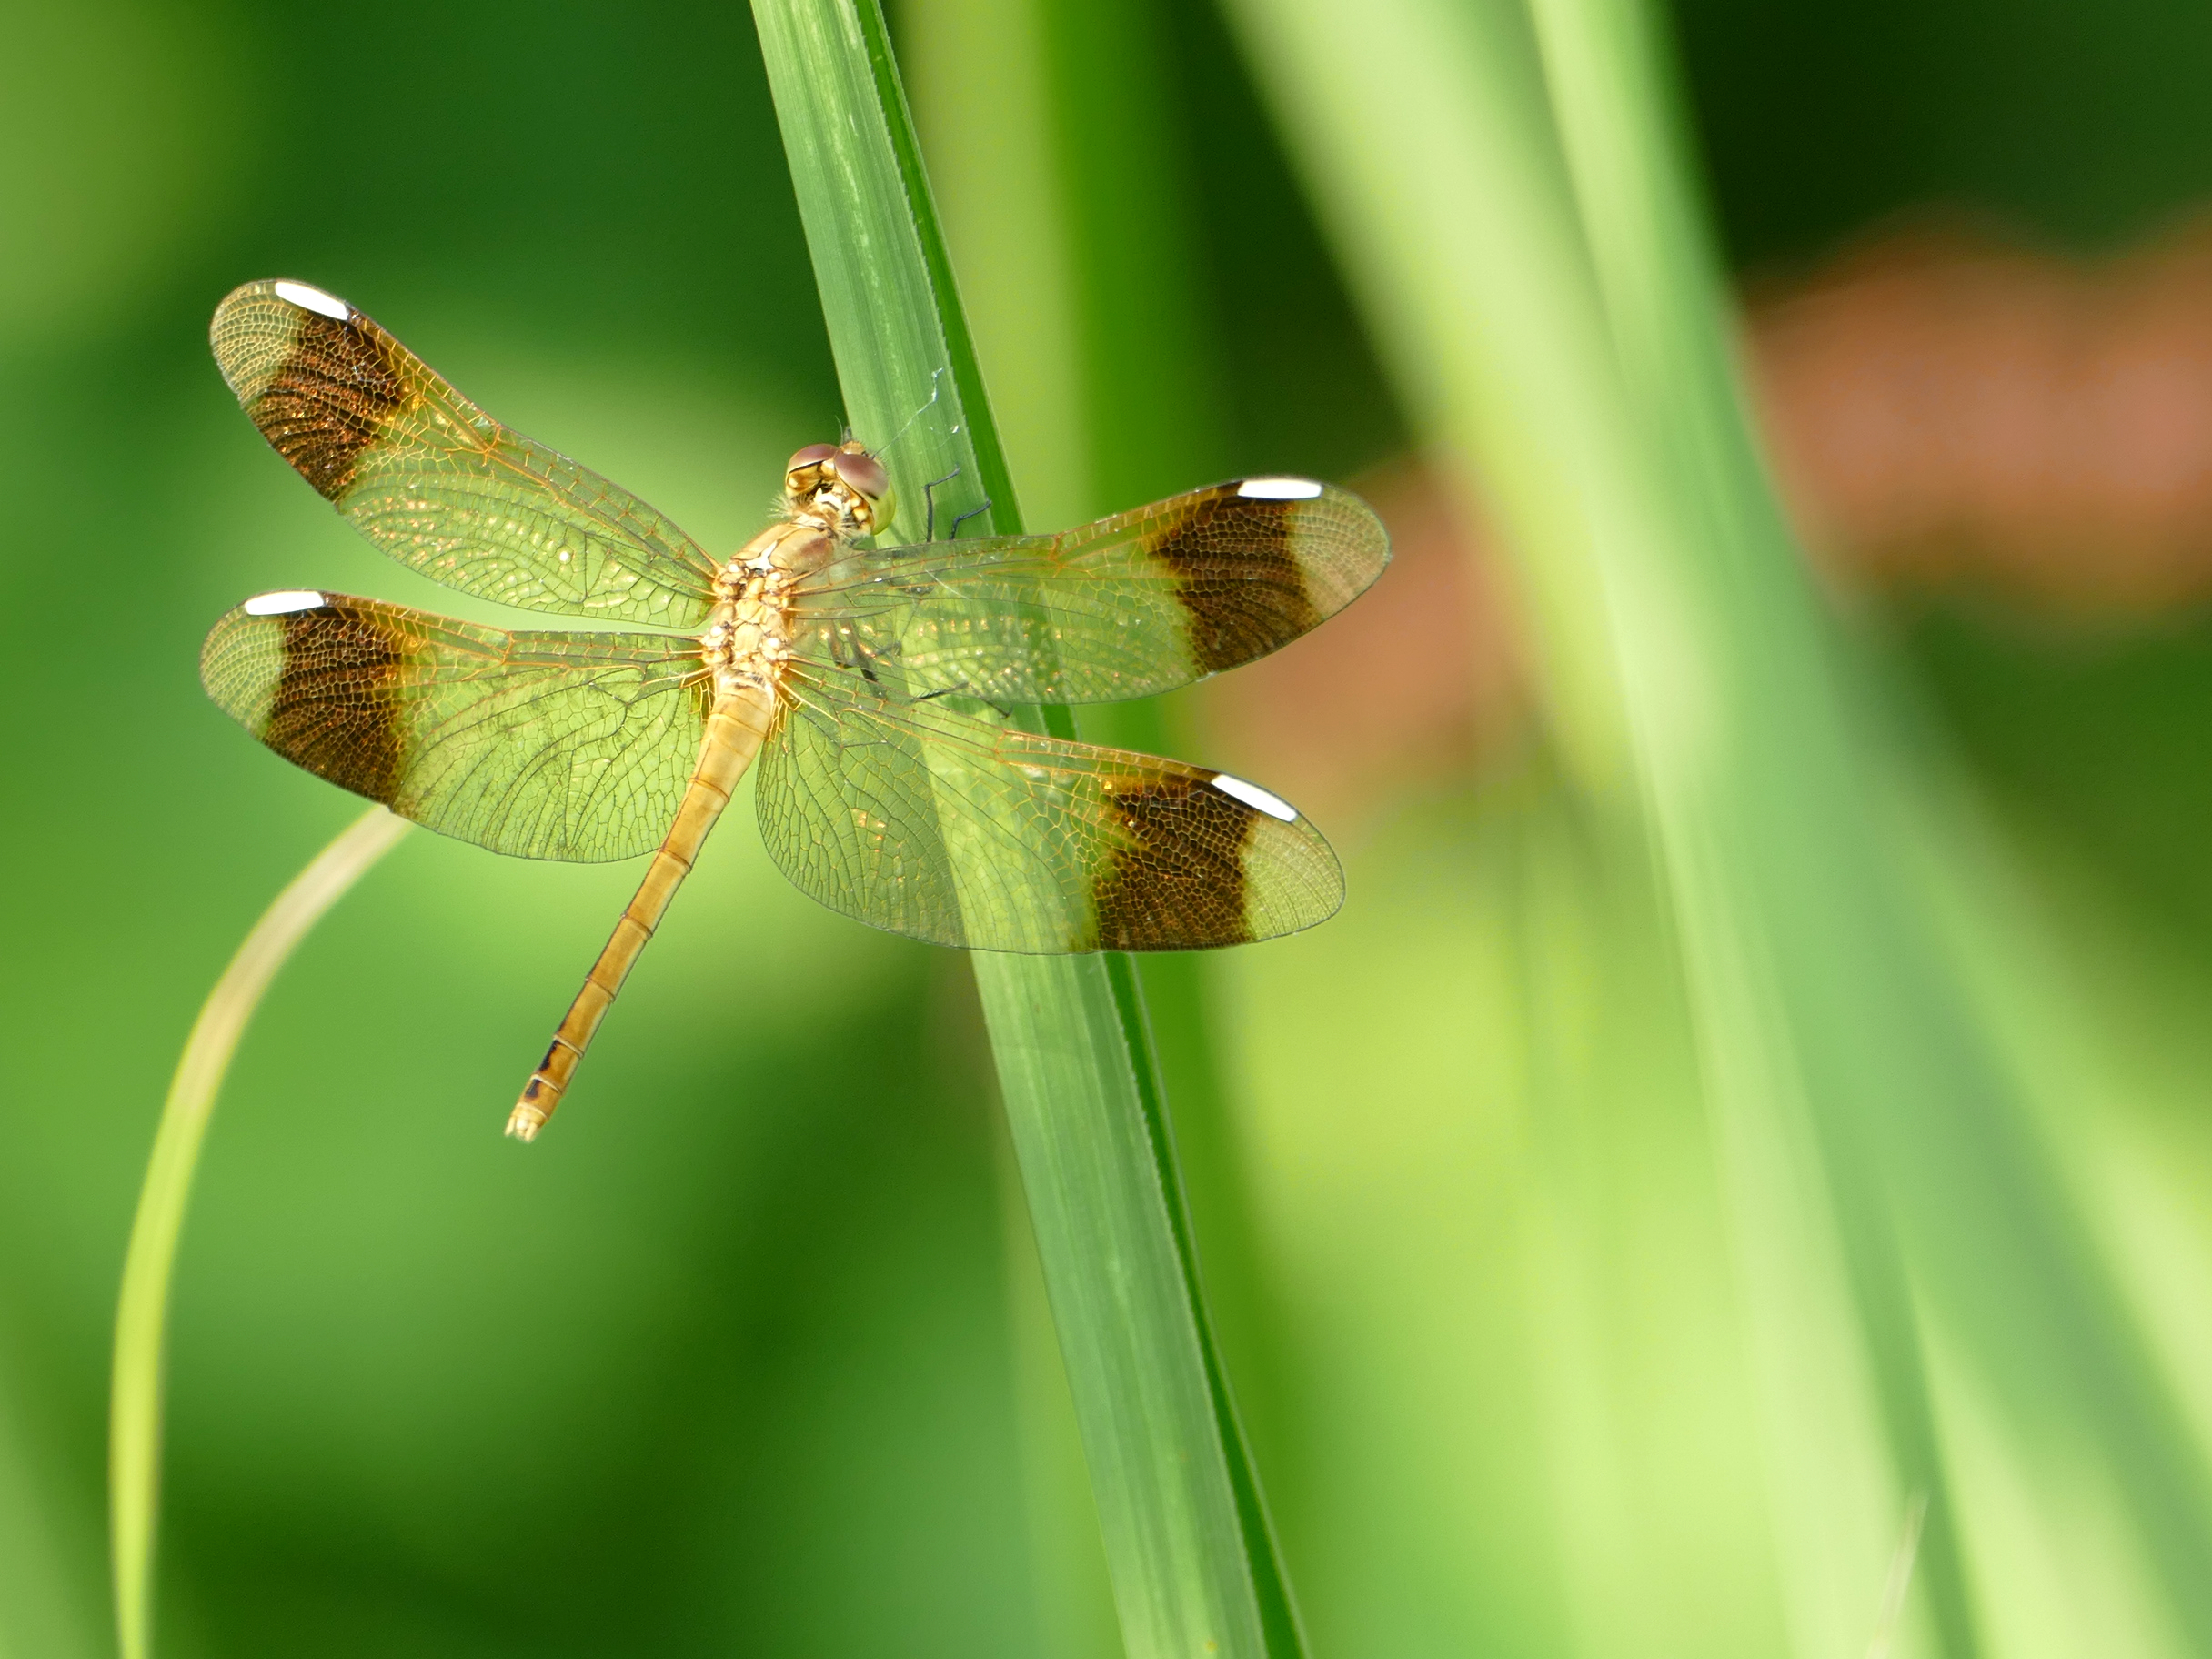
[
  {"x": 119, "y": 133},
  {"x": 1543, "y": 282}
]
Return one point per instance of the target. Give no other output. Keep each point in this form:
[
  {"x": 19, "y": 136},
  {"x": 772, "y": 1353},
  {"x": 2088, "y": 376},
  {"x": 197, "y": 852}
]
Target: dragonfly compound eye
[
  {"x": 802, "y": 474},
  {"x": 866, "y": 478}
]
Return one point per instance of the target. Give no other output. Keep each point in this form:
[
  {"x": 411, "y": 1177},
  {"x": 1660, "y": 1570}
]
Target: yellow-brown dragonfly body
[
  {"x": 830, "y": 496},
  {"x": 865, "y": 682}
]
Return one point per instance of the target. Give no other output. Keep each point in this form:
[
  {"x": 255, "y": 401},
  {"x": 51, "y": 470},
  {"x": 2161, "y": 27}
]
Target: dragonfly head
[{"x": 841, "y": 487}]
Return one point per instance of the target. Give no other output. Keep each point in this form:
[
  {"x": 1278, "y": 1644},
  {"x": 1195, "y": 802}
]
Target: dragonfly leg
[
  {"x": 735, "y": 731},
  {"x": 970, "y": 513},
  {"x": 965, "y": 689},
  {"x": 928, "y": 501},
  {"x": 850, "y": 652}
]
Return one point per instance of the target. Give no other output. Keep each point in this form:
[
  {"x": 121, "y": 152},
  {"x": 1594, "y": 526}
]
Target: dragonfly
[{"x": 870, "y": 688}]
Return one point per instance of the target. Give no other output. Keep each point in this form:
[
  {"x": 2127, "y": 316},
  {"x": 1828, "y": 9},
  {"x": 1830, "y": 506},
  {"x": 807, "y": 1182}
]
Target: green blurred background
[{"x": 748, "y": 1354}]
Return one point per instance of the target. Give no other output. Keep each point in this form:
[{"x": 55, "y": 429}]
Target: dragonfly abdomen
[{"x": 736, "y": 728}]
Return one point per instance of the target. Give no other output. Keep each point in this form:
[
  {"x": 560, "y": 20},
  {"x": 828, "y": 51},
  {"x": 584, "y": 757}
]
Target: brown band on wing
[
  {"x": 1236, "y": 575},
  {"x": 330, "y": 398},
  {"x": 337, "y": 707},
  {"x": 1176, "y": 882}
]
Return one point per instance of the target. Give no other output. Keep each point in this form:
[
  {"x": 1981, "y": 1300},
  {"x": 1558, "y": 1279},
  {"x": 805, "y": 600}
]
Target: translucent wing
[
  {"x": 1131, "y": 605},
  {"x": 435, "y": 481},
  {"x": 925, "y": 821},
  {"x": 547, "y": 746}
]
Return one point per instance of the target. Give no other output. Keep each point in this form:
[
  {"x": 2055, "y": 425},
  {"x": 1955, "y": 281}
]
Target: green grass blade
[
  {"x": 1741, "y": 835},
  {"x": 1068, "y": 204},
  {"x": 1544, "y": 284},
  {"x": 1943, "y": 1179},
  {"x": 1193, "y": 1567},
  {"x": 133, "y": 1467}
]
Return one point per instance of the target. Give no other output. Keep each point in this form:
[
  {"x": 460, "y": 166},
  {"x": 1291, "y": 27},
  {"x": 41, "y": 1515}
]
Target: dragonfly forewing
[
  {"x": 434, "y": 481},
  {"x": 1132, "y": 604}
]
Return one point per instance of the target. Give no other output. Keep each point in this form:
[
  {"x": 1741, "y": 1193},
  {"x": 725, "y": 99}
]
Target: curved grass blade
[
  {"x": 134, "y": 1432},
  {"x": 1187, "y": 1542}
]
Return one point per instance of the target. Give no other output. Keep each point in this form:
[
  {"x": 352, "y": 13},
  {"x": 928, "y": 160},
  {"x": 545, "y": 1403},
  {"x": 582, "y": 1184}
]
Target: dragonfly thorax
[
  {"x": 746, "y": 643},
  {"x": 792, "y": 549},
  {"x": 747, "y": 633}
]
